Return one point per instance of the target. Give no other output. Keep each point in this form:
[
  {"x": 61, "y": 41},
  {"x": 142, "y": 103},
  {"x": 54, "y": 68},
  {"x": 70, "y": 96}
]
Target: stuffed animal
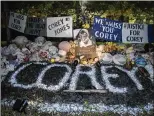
[
  {"x": 20, "y": 56},
  {"x": 35, "y": 57},
  {"x": 62, "y": 53},
  {"x": 12, "y": 48},
  {"x": 34, "y": 48},
  {"x": 64, "y": 45},
  {"x": 64, "y": 48},
  {"x": 47, "y": 45},
  {"x": 9, "y": 51},
  {"x": 106, "y": 58},
  {"x": 140, "y": 61},
  {"x": 43, "y": 54},
  {"x": 27, "y": 54},
  {"x": 49, "y": 49},
  {"x": 5, "y": 51},
  {"x": 29, "y": 44},
  {"x": 20, "y": 41},
  {"x": 40, "y": 41},
  {"x": 119, "y": 59},
  {"x": 53, "y": 51}
]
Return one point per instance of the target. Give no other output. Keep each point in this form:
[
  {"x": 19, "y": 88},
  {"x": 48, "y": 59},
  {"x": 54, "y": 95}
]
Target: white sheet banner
[
  {"x": 59, "y": 26},
  {"x": 134, "y": 33},
  {"x": 17, "y": 22}
]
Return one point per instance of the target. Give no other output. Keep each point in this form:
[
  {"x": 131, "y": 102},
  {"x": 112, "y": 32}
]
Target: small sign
[
  {"x": 17, "y": 22},
  {"x": 36, "y": 26},
  {"x": 88, "y": 52},
  {"x": 60, "y": 26}
]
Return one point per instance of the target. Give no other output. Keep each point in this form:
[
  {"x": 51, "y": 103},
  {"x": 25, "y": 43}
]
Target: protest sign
[
  {"x": 36, "y": 26},
  {"x": 59, "y": 26},
  {"x": 106, "y": 29},
  {"x": 17, "y": 22},
  {"x": 134, "y": 33}
]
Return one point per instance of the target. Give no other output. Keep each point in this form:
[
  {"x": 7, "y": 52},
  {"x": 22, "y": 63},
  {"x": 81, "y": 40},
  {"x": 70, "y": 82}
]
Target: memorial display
[{"x": 122, "y": 67}]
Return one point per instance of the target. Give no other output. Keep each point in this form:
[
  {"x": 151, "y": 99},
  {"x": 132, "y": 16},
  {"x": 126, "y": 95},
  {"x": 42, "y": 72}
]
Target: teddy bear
[
  {"x": 20, "y": 41},
  {"x": 20, "y": 56},
  {"x": 5, "y": 51},
  {"x": 40, "y": 41},
  {"x": 27, "y": 54},
  {"x": 48, "y": 50},
  {"x": 43, "y": 54},
  {"x": 34, "y": 49},
  {"x": 53, "y": 52},
  {"x": 12, "y": 48},
  {"x": 64, "y": 47},
  {"x": 9, "y": 51}
]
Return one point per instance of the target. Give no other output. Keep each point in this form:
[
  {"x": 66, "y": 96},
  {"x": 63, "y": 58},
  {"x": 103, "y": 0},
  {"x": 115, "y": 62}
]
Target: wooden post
[
  {"x": 77, "y": 13},
  {"x": 87, "y": 91},
  {"x": 6, "y": 11}
]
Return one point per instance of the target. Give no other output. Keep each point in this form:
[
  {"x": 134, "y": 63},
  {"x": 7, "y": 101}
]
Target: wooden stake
[{"x": 87, "y": 91}]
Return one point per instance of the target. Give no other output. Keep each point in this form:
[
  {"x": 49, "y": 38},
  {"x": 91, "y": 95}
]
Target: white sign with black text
[
  {"x": 134, "y": 33},
  {"x": 59, "y": 26},
  {"x": 17, "y": 22}
]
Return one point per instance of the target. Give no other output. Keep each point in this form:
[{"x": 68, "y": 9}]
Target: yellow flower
[
  {"x": 121, "y": 47},
  {"x": 86, "y": 26},
  {"x": 52, "y": 60},
  {"x": 84, "y": 62}
]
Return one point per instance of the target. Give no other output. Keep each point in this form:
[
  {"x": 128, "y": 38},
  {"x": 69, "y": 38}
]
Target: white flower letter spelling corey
[
  {"x": 91, "y": 73},
  {"x": 39, "y": 83}
]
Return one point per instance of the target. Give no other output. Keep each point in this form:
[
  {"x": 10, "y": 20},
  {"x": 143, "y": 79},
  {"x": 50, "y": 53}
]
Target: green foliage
[{"x": 133, "y": 12}]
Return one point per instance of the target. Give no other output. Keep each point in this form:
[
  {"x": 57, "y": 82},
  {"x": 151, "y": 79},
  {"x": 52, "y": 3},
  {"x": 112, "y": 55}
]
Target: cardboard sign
[
  {"x": 134, "y": 33},
  {"x": 36, "y": 26},
  {"x": 106, "y": 29},
  {"x": 59, "y": 26},
  {"x": 17, "y": 22},
  {"x": 88, "y": 52}
]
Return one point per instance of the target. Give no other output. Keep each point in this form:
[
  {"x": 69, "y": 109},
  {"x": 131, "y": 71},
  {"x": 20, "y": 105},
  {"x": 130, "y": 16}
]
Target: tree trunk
[{"x": 77, "y": 13}]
